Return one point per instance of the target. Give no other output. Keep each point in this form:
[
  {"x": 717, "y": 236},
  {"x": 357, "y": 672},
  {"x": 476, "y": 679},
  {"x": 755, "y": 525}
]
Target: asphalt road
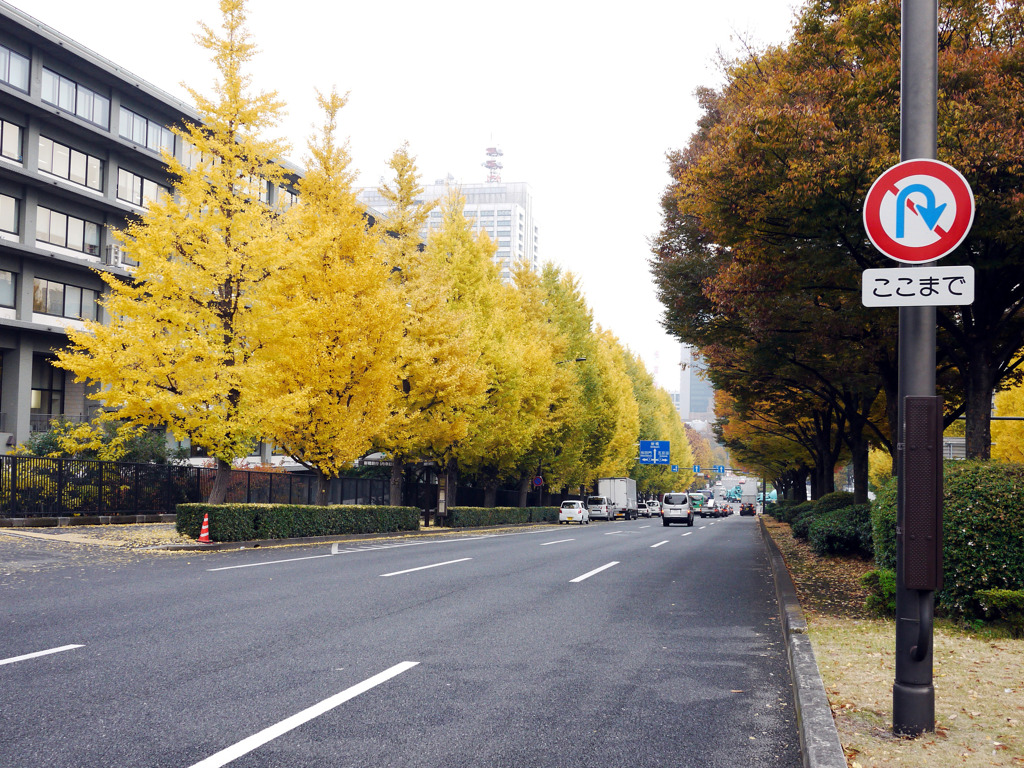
[{"x": 612, "y": 644}]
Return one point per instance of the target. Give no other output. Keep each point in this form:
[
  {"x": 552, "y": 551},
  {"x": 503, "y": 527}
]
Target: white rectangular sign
[{"x": 918, "y": 287}]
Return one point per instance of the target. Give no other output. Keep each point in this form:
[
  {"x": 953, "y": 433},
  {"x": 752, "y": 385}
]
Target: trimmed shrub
[
  {"x": 245, "y": 522},
  {"x": 983, "y": 531},
  {"x": 845, "y": 531},
  {"x": 467, "y": 517},
  {"x": 780, "y": 509},
  {"x": 1005, "y": 606},
  {"x": 834, "y": 500},
  {"x": 881, "y": 584},
  {"x": 790, "y": 514}
]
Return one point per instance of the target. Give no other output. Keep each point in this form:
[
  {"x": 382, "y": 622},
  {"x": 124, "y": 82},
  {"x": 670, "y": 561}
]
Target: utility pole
[{"x": 913, "y": 692}]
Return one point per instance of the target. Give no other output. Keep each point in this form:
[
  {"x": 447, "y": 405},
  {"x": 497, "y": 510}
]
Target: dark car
[{"x": 747, "y": 509}]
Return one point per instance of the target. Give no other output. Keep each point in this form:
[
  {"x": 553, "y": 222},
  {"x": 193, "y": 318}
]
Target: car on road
[
  {"x": 654, "y": 507},
  {"x": 573, "y": 511},
  {"x": 747, "y": 510},
  {"x": 714, "y": 508},
  {"x": 598, "y": 508},
  {"x": 677, "y": 508}
]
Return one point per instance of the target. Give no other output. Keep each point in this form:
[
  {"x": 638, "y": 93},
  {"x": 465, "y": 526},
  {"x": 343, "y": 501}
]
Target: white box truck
[{"x": 621, "y": 495}]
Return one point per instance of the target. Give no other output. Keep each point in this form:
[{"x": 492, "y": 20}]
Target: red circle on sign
[{"x": 887, "y": 183}]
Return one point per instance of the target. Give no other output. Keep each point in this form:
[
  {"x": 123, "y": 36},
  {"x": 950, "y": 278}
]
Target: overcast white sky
[{"x": 584, "y": 100}]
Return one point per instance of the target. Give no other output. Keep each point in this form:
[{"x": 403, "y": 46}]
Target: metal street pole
[{"x": 913, "y": 692}]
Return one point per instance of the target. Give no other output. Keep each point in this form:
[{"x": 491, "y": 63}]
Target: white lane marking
[
  {"x": 644, "y": 526},
  {"x": 612, "y": 533},
  {"x": 424, "y": 567},
  {"x": 702, "y": 528},
  {"x": 659, "y": 543},
  {"x": 257, "y": 740},
  {"x": 591, "y": 573},
  {"x": 39, "y": 653},
  {"x": 688, "y": 533},
  {"x": 560, "y": 541},
  {"x": 268, "y": 562},
  {"x": 373, "y": 547}
]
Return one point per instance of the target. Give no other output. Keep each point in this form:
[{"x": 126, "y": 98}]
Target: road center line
[
  {"x": 659, "y": 543},
  {"x": 560, "y": 541},
  {"x": 424, "y": 567},
  {"x": 591, "y": 573},
  {"x": 688, "y": 533},
  {"x": 39, "y": 653},
  {"x": 612, "y": 533},
  {"x": 257, "y": 740}
]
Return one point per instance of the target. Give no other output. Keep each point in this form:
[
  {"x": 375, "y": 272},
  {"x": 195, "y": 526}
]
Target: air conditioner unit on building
[{"x": 114, "y": 255}]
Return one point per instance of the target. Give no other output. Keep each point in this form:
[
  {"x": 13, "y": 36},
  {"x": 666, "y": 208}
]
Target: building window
[
  {"x": 67, "y": 163},
  {"x": 14, "y": 68},
  {"x": 505, "y": 213},
  {"x": 68, "y": 95},
  {"x": 8, "y": 214},
  {"x": 136, "y": 189},
  {"x": 8, "y": 281},
  {"x": 145, "y": 132},
  {"x": 10, "y": 140},
  {"x": 52, "y": 298},
  {"x": 58, "y": 228},
  {"x": 47, "y": 391}
]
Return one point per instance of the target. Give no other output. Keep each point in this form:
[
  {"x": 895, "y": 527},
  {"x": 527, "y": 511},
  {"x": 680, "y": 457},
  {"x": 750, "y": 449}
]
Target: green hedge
[
  {"x": 469, "y": 517},
  {"x": 845, "y": 531},
  {"x": 881, "y": 586},
  {"x": 247, "y": 522},
  {"x": 1004, "y": 605},
  {"x": 983, "y": 531}
]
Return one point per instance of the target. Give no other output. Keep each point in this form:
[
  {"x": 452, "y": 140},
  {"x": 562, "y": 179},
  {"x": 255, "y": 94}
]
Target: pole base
[{"x": 913, "y": 709}]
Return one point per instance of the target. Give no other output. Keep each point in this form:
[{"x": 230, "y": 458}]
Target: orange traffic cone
[{"x": 204, "y": 534}]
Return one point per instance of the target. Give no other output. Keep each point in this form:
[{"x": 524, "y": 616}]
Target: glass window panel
[
  {"x": 124, "y": 124},
  {"x": 153, "y": 135},
  {"x": 78, "y": 167},
  {"x": 61, "y": 160},
  {"x": 66, "y": 94},
  {"x": 49, "y": 92},
  {"x": 150, "y": 191},
  {"x": 7, "y": 283},
  {"x": 10, "y": 141},
  {"x": 76, "y": 233},
  {"x": 84, "y": 106},
  {"x": 167, "y": 139},
  {"x": 58, "y": 228},
  {"x": 43, "y": 224},
  {"x": 94, "y": 173},
  {"x": 45, "y": 154},
  {"x": 138, "y": 129},
  {"x": 17, "y": 74},
  {"x": 54, "y": 298},
  {"x": 88, "y": 304},
  {"x": 5, "y": 61},
  {"x": 8, "y": 214},
  {"x": 92, "y": 238},
  {"x": 39, "y": 295},
  {"x": 101, "y": 110},
  {"x": 72, "y": 301},
  {"x": 124, "y": 185}
]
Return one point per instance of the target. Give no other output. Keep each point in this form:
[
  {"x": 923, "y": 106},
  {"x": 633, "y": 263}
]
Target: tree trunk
[
  {"x": 524, "y": 489},
  {"x": 800, "y": 485},
  {"x": 395, "y": 498},
  {"x": 323, "y": 484},
  {"x": 490, "y": 494},
  {"x": 221, "y": 481},
  {"x": 978, "y": 397}
]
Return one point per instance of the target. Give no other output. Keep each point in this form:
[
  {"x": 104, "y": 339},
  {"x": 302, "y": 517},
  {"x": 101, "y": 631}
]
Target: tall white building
[
  {"x": 696, "y": 395},
  {"x": 502, "y": 209}
]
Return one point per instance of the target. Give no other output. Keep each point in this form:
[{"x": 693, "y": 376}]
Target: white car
[
  {"x": 676, "y": 508},
  {"x": 573, "y": 512},
  {"x": 597, "y": 508}
]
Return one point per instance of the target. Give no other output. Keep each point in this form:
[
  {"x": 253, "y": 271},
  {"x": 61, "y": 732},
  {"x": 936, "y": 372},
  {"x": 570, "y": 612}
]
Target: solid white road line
[
  {"x": 268, "y": 562},
  {"x": 659, "y": 543},
  {"x": 644, "y": 526},
  {"x": 560, "y": 541},
  {"x": 591, "y": 573},
  {"x": 39, "y": 653},
  {"x": 245, "y": 746},
  {"x": 688, "y": 533},
  {"x": 612, "y": 533},
  {"x": 424, "y": 567}
]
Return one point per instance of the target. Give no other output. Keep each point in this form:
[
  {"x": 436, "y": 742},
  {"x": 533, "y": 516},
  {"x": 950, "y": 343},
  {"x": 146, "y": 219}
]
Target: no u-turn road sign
[{"x": 918, "y": 211}]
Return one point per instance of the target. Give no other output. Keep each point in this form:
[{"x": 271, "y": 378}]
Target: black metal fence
[{"x": 39, "y": 487}]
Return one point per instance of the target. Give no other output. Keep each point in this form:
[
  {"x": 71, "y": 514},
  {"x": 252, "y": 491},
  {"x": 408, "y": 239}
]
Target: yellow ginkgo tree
[
  {"x": 185, "y": 343},
  {"x": 340, "y": 317}
]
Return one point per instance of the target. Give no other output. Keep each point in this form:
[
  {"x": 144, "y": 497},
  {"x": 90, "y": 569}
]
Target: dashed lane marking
[
  {"x": 560, "y": 541},
  {"x": 659, "y": 543},
  {"x": 591, "y": 573},
  {"x": 425, "y": 567},
  {"x": 39, "y": 653}
]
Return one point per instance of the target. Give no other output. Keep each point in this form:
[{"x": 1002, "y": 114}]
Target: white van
[
  {"x": 676, "y": 508},
  {"x": 599, "y": 508}
]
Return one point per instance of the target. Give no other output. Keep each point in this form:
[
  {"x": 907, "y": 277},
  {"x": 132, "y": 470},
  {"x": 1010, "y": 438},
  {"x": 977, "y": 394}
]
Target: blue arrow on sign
[
  {"x": 930, "y": 215},
  {"x": 675, "y": 467},
  {"x": 696, "y": 468}
]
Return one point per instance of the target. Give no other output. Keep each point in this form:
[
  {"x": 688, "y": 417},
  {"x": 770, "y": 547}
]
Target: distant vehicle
[
  {"x": 642, "y": 508},
  {"x": 677, "y": 508},
  {"x": 747, "y": 510},
  {"x": 718, "y": 483},
  {"x": 743, "y": 480},
  {"x": 654, "y": 507},
  {"x": 621, "y": 495},
  {"x": 697, "y": 503},
  {"x": 599, "y": 508},
  {"x": 749, "y": 497},
  {"x": 573, "y": 512}
]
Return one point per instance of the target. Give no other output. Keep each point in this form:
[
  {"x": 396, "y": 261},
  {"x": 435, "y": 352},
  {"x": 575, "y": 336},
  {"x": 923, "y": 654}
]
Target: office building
[{"x": 696, "y": 395}]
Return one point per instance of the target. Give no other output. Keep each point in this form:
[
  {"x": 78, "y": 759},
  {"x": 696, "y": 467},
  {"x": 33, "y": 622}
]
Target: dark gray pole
[{"x": 913, "y": 694}]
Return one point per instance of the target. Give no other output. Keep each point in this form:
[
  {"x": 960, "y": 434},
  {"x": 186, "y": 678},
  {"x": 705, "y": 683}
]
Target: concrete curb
[{"x": 819, "y": 739}]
